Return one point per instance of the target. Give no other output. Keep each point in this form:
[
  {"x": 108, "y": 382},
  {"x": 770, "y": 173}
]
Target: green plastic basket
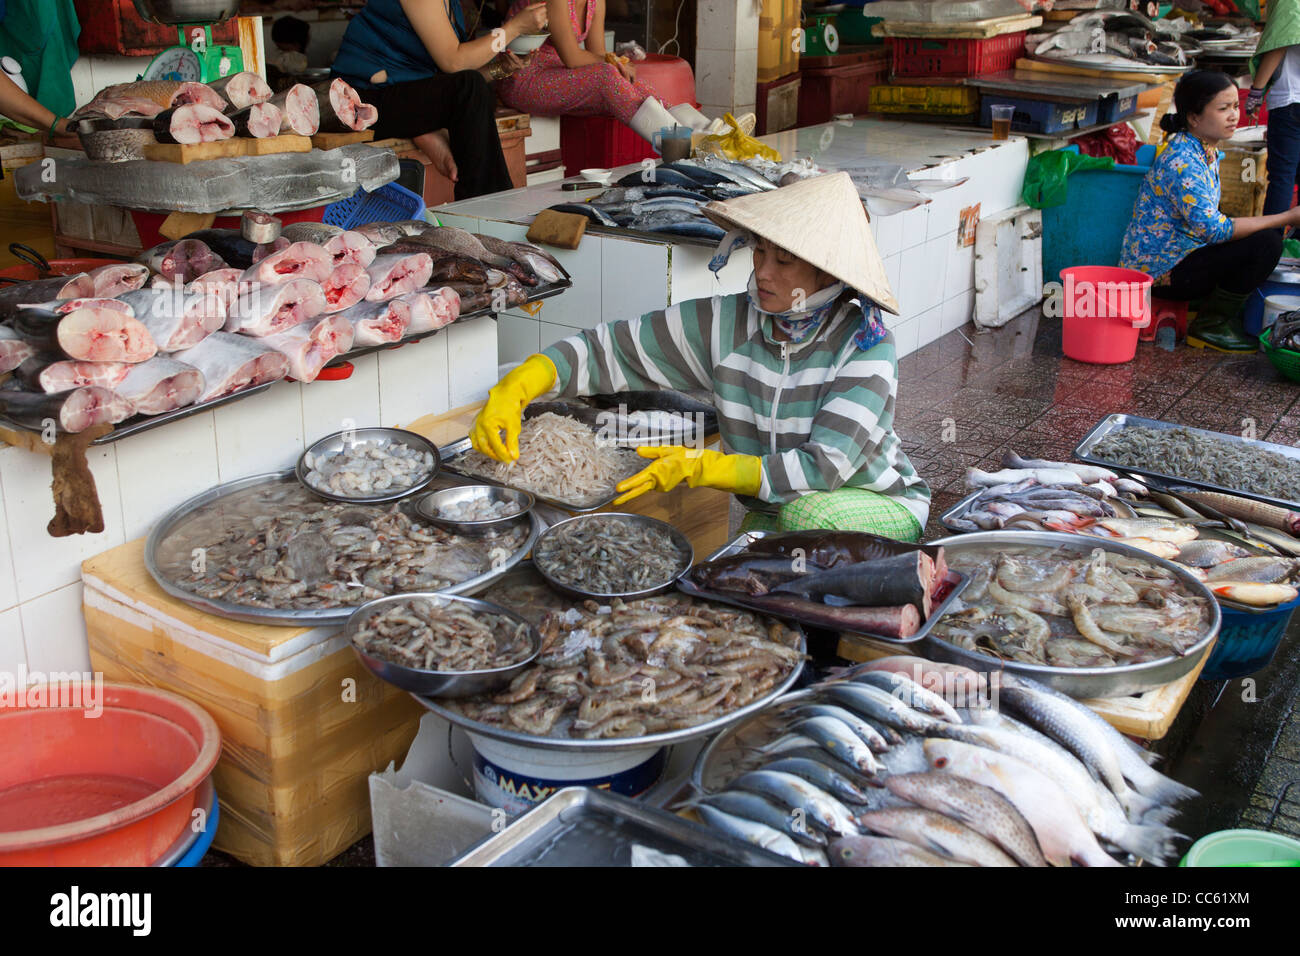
[{"x": 1284, "y": 360}]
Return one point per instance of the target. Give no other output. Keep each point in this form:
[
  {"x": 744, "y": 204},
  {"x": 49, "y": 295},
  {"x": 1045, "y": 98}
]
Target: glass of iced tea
[{"x": 1002, "y": 113}]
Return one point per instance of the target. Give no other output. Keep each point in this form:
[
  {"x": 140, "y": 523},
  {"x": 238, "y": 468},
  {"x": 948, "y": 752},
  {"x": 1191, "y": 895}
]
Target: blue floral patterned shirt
[{"x": 1177, "y": 209}]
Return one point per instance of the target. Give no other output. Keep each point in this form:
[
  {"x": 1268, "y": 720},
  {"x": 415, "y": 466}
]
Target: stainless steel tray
[
  {"x": 525, "y": 573},
  {"x": 1083, "y": 682},
  {"x": 1136, "y": 67},
  {"x": 741, "y": 542},
  {"x": 450, "y": 451},
  {"x": 309, "y": 617},
  {"x": 143, "y": 423},
  {"x": 1113, "y": 423},
  {"x": 959, "y": 509},
  {"x": 582, "y": 826},
  {"x": 599, "y": 420},
  {"x": 333, "y": 444},
  {"x": 682, "y": 542},
  {"x": 705, "y": 771}
]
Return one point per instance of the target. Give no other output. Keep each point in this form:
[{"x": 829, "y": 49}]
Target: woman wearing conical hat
[{"x": 803, "y": 372}]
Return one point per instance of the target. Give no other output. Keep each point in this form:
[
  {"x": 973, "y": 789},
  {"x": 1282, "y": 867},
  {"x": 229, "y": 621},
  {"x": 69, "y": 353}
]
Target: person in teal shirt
[{"x": 1179, "y": 237}]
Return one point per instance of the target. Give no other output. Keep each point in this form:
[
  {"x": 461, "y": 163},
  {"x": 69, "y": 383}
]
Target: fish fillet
[
  {"x": 378, "y": 323},
  {"x": 431, "y": 310},
  {"x": 391, "y": 276},
  {"x": 242, "y": 90},
  {"x": 195, "y": 123},
  {"x": 300, "y": 110},
  {"x": 345, "y": 287},
  {"x": 231, "y": 363},
  {"x": 267, "y": 309}
]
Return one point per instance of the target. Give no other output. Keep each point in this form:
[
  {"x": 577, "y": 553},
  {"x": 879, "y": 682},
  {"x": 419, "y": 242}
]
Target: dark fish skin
[
  {"x": 229, "y": 244},
  {"x": 446, "y": 266},
  {"x": 901, "y": 579},
  {"x": 663, "y": 176},
  {"x": 827, "y": 550},
  {"x": 43, "y": 290},
  {"x": 583, "y": 209},
  {"x": 33, "y": 408},
  {"x": 475, "y": 302},
  {"x": 744, "y": 573},
  {"x": 896, "y": 622}
]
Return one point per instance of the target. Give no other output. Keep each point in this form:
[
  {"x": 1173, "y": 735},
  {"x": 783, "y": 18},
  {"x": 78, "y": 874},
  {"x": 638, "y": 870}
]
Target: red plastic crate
[
  {"x": 841, "y": 89},
  {"x": 599, "y": 142},
  {"x": 917, "y": 56}
]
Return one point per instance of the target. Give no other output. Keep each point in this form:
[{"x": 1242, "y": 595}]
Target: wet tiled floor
[{"x": 968, "y": 397}]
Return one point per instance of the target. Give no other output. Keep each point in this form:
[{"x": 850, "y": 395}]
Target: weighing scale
[{"x": 195, "y": 58}]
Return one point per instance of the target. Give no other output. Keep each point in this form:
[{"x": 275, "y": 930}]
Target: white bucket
[
  {"x": 517, "y": 778},
  {"x": 1276, "y": 305}
]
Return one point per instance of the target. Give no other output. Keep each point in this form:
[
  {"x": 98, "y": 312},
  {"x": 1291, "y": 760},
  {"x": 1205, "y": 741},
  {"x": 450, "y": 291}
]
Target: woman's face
[
  {"x": 783, "y": 280},
  {"x": 1218, "y": 120}
]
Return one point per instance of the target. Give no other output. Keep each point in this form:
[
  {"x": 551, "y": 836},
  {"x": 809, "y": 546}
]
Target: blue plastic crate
[
  {"x": 1274, "y": 285},
  {"x": 1088, "y": 229},
  {"x": 1247, "y": 641},
  {"x": 1039, "y": 116},
  {"x": 390, "y": 203},
  {"x": 1114, "y": 108}
]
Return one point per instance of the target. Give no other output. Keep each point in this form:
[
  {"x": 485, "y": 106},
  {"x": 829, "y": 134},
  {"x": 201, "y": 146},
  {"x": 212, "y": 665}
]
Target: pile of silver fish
[
  {"x": 422, "y": 635},
  {"x": 633, "y": 668},
  {"x": 877, "y": 767},
  {"x": 1117, "y": 38},
  {"x": 559, "y": 458},
  {"x": 668, "y": 198},
  {"x": 1286, "y": 332},
  {"x": 1064, "y": 608},
  {"x": 1195, "y": 456},
  {"x": 282, "y": 547},
  {"x": 368, "y": 468},
  {"x": 609, "y": 555}
]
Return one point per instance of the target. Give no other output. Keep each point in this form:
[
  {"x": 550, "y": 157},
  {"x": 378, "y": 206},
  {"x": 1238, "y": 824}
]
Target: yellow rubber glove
[
  {"x": 505, "y": 407},
  {"x": 741, "y": 474}
]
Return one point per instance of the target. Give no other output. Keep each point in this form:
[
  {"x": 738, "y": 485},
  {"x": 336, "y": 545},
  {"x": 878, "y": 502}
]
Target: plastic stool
[{"x": 1165, "y": 312}]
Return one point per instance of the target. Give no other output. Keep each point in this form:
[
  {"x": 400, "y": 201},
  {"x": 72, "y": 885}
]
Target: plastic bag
[
  {"x": 1119, "y": 142},
  {"x": 1045, "y": 178},
  {"x": 737, "y": 144},
  {"x": 632, "y": 50}
]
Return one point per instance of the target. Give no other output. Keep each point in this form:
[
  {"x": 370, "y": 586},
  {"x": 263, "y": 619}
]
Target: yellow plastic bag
[{"x": 737, "y": 144}]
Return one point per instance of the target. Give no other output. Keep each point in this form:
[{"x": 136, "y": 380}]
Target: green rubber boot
[{"x": 1218, "y": 324}]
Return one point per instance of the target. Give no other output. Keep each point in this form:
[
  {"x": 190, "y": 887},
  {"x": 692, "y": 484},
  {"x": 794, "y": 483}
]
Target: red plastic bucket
[{"x": 1104, "y": 308}]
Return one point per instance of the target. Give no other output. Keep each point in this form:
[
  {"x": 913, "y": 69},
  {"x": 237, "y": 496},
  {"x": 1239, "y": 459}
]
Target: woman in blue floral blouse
[{"x": 1179, "y": 237}]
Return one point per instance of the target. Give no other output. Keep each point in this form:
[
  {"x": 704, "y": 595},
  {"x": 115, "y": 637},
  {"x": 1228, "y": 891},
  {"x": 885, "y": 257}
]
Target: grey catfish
[
  {"x": 161, "y": 385},
  {"x": 230, "y": 363},
  {"x": 73, "y": 411}
]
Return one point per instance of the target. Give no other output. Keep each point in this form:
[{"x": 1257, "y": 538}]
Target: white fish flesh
[
  {"x": 105, "y": 335},
  {"x": 351, "y": 246},
  {"x": 64, "y": 376},
  {"x": 231, "y": 363},
  {"x": 74, "y": 411},
  {"x": 975, "y": 478},
  {"x": 378, "y": 323},
  {"x": 259, "y": 121},
  {"x": 345, "y": 286},
  {"x": 182, "y": 259},
  {"x": 242, "y": 90},
  {"x": 309, "y": 347},
  {"x": 298, "y": 260},
  {"x": 341, "y": 108},
  {"x": 223, "y": 282},
  {"x": 175, "y": 318},
  {"x": 191, "y": 124},
  {"x": 268, "y": 309},
  {"x": 13, "y": 350},
  {"x": 149, "y": 98},
  {"x": 432, "y": 309},
  {"x": 301, "y": 112},
  {"x": 161, "y": 385},
  {"x": 395, "y": 275},
  {"x": 113, "y": 280}
]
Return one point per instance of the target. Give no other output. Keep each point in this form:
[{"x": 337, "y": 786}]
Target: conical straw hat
[{"x": 820, "y": 220}]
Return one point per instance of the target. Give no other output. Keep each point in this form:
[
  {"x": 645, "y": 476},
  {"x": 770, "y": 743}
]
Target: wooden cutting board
[
  {"x": 335, "y": 140},
  {"x": 185, "y": 153},
  {"x": 969, "y": 30}
]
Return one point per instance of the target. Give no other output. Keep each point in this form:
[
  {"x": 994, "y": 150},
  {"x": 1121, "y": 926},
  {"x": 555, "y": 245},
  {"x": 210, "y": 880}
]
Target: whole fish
[
  {"x": 900, "y": 685},
  {"x": 1176, "y": 532},
  {"x": 414, "y": 227},
  {"x": 584, "y": 209},
  {"x": 317, "y": 232},
  {"x": 1087, "y": 473},
  {"x": 750, "y": 831},
  {"x": 872, "y": 702},
  {"x": 882, "y": 851},
  {"x": 1257, "y": 595},
  {"x": 1258, "y": 512},
  {"x": 849, "y": 755},
  {"x": 461, "y": 243},
  {"x": 751, "y": 806},
  {"x": 1132, "y": 760},
  {"x": 981, "y": 808},
  {"x": 818, "y": 807},
  {"x": 821, "y": 775},
  {"x": 73, "y": 411},
  {"x": 735, "y": 171},
  {"x": 177, "y": 319},
  {"x": 865, "y": 731},
  {"x": 499, "y": 247},
  {"x": 838, "y": 738},
  {"x": 1062, "y": 834},
  {"x": 149, "y": 98},
  {"x": 1257, "y": 570},
  {"x": 380, "y": 233},
  {"x": 937, "y": 834},
  {"x": 160, "y": 385},
  {"x": 903, "y": 620},
  {"x": 976, "y": 478},
  {"x": 182, "y": 259},
  {"x": 657, "y": 176},
  {"x": 1208, "y": 552}
]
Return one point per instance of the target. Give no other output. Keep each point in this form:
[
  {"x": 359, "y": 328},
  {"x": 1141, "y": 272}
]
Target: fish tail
[
  {"x": 1152, "y": 844},
  {"x": 1156, "y": 815},
  {"x": 1162, "y": 790}
]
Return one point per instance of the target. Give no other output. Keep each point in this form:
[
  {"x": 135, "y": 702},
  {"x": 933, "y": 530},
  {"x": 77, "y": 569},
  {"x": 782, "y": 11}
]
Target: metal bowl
[
  {"x": 680, "y": 540},
  {"x": 332, "y": 444},
  {"x": 182, "y": 12},
  {"x": 115, "y": 141},
  {"x": 428, "y": 506},
  {"x": 441, "y": 683},
  {"x": 1083, "y": 682}
]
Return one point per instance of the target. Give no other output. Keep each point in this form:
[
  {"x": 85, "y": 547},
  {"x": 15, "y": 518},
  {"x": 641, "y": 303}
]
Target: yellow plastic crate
[
  {"x": 777, "y": 56},
  {"x": 935, "y": 100}
]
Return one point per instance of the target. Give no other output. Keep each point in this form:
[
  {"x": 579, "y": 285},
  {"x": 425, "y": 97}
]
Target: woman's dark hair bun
[
  {"x": 1173, "y": 123},
  {"x": 1192, "y": 95}
]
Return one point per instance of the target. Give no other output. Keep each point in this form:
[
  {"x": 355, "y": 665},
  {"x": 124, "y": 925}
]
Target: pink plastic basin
[{"x": 111, "y": 790}]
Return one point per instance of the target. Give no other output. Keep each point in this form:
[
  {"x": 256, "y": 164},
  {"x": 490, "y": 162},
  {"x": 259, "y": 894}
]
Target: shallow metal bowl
[
  {"x": 180, "y": 12},
  {"x": 680, "y": 540},
  {"x": 1083, "y": 682},
  {"x": 429, "y": 506},
  {"x": 333, "y": 444},
  {"x": 440, "y": 683}
]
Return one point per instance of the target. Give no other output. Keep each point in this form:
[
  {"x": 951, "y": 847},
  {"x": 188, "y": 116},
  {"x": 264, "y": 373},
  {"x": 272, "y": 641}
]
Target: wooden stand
[
  {"x": 185, "y": 153},
  {"x": 1148, "y": 715},
  {"x": 335, "y": 140}
]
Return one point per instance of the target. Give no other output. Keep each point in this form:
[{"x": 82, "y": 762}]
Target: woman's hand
[
  {"x": 628, "y": 71},
  {"x": 531, "y": 19},
  {"x": 506, "y": 64}
]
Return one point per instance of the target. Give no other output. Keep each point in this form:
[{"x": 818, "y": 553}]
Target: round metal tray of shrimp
[
  {"x": 369, "y": 465},
  {"x": 1086, "y": 616},
  {"x": 611, "y": 554}
]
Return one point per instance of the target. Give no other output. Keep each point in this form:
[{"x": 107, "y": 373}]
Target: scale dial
[{"x": 175, "y": 63}]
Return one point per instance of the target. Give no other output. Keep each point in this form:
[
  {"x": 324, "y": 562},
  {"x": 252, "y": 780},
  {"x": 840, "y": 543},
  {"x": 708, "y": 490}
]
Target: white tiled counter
[
  {"x": 617, "y": 277},
  {"x": 142, "y": 477}
]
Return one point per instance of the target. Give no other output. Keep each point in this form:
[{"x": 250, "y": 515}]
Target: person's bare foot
[{"x": 437, "y": 147}]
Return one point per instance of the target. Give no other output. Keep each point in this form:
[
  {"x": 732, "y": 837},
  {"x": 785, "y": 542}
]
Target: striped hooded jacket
[{"x": 819, "y": 413}]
